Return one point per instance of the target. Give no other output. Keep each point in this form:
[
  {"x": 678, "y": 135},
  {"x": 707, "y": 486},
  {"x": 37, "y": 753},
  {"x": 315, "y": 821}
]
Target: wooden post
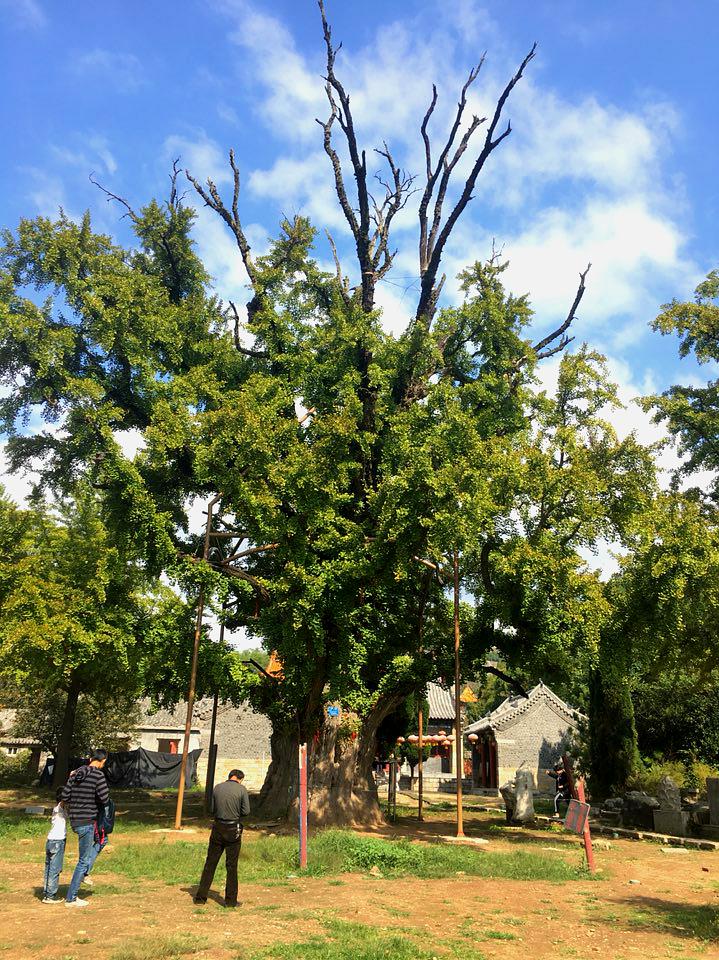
[
  {"x": 303, "y": 804},
  {"x": 482, "y": 762},
  {"x": 193, "y": 673},
  {"x": 457, "y": 702},
  {"x": 492, "y": 764},
  {"x": 420, "y": 747}
]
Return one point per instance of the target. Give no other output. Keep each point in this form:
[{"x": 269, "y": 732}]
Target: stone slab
[
  {"x": 671, "y": 822},
  {"x": 713, "y": 800}
]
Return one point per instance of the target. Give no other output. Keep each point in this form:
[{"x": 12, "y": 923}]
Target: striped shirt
[{"x": 85, "y": 794}]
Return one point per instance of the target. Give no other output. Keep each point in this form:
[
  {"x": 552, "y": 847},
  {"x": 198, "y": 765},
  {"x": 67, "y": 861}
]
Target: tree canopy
[{"x": 346, "y": 463}]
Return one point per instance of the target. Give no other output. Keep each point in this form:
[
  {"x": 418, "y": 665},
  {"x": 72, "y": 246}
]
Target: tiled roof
[
  {"x": 441, "y": 702},
  {"x": 511, "y": 709}
]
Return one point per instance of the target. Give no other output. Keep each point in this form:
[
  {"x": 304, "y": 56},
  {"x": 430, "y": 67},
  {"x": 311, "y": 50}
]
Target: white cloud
[
  {"x": 630, "y": 246},
  {"x": 293, "y": 90},
  {"x": 91, "y": 149},
  {"x": 123, "y": 70},
  {"x": 200, "y": 155},
  {"x": 579, "y": 180},
  {"x": 17, "y": 486}
]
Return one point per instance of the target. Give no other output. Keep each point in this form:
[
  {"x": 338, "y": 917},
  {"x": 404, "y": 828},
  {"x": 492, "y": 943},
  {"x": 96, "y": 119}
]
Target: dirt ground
[{"x": 649, "y": 903}]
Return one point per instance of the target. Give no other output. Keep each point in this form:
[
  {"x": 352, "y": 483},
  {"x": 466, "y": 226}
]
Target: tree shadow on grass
[{"x": 697, "y": 921}]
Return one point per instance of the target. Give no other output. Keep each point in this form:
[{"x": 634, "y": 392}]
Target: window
[
  {"x": 168, "y": 746},
  {"x": 12, "y": 751}
]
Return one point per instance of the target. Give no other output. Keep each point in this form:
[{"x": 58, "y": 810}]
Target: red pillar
[
  {"x": 482, "y": 767},
  {"x": 492, "y": 763},
  {"x": 303, "y": 805}
]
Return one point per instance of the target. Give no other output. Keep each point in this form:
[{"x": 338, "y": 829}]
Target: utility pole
[{"x": 193, "y": 672}]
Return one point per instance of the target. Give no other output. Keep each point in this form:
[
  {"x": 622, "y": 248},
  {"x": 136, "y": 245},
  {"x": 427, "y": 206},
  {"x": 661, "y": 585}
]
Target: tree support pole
[
  {"x": 193, "y": 672},
  {"x": 457, "y": 702}
]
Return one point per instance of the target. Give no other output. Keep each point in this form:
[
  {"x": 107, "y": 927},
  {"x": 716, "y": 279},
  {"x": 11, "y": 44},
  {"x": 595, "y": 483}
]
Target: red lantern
[
  {"x": 473, "y": 738},
  {"x": 413, "y": 738},
  {"x": 400, "y": 739},
  {"x": 442, "y": 734}
]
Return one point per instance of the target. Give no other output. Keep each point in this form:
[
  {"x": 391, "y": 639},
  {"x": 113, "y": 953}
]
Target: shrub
[
  {"x": 15, "y": 770},
  {"x": 690, "y": 775}
]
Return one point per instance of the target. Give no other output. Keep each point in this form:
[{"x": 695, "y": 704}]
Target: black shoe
[
  {"x": 199, "y": 901},
  {"x": 233, "y": 906}
]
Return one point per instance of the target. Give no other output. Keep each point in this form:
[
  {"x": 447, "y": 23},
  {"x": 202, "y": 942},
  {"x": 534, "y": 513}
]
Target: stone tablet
[
  {"x": 524, "y": 802},
  {"x": 713, "y": 800},
  {"x": 669, "y": 795}
]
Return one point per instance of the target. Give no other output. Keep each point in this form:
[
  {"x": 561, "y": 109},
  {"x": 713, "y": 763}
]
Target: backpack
[{"x": 105, "y": 823}]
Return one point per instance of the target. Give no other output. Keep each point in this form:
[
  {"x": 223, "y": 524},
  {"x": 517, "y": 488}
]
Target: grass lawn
[
  {"x": 392, "y": 894},
  {"x": 332, "y": 852}
]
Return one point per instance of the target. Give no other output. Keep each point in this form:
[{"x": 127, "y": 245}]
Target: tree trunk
[
  {"x": 64, "y": 746},
  {"x": 341, "y": 788},
  {"x": 278, "y": 797}
]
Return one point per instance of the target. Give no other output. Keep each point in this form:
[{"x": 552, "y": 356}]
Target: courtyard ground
[{"x": 396, "y": 893}]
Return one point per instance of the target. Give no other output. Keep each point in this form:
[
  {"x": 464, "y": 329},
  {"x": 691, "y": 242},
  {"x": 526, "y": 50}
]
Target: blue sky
[{"x": 612, "y": 158}]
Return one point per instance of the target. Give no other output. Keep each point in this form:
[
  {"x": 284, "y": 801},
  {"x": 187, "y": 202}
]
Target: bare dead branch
[
  {"x": 432, "y": 243},
  {"x": 342, "y": 281},
  {"x": 113, "y": 196},
  {"x": 369, "y": 221},
  {"x": 490, "y": 668},
  {"x": 442, "y": 164},
  {"x": 247, "y": 351},
  {"x": 548, "y": 346}
]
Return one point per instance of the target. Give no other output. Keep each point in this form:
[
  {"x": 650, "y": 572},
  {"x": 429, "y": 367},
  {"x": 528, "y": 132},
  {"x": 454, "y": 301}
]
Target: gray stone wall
[
  {"x": 242, "y": 736},
  {"x": 533, "y": 742}
]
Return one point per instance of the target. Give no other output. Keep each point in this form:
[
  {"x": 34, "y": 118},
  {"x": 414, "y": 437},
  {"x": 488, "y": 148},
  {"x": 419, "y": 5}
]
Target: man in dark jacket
[
  {"x": 85, "y": 796},
  {"x": 563, "y": 792},
  {"x": 230, "y": 802}
]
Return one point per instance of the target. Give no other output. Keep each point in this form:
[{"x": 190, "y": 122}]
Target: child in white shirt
[{"x": 55, "y": 852}]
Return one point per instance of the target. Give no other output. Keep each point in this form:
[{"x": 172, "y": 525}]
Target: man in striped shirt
[{"x": 85, "y": 795}]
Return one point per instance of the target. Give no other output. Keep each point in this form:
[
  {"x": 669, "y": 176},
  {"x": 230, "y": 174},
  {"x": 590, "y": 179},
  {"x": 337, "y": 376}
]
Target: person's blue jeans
[
  {"x": 86, "y": 858},
  {"x": 94, "y": 854},
  {"x": 54, "y": 856}
]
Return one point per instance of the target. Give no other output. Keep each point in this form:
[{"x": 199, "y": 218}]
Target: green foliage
[
  {"x": 613, "y": 759},
  {"x": 677, "y": 715},
  {"x": 15, "y": 769},
  {"x": 690, "y": 775},
  {"x": 71, "y": 607},
  {"x": 515, "y": 480},
  {"x": 692, "y": 412},
  {"x": 102, "y": 719}
]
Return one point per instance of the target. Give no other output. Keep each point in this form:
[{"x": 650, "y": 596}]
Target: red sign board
[{"x": 577, "y": 814}]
